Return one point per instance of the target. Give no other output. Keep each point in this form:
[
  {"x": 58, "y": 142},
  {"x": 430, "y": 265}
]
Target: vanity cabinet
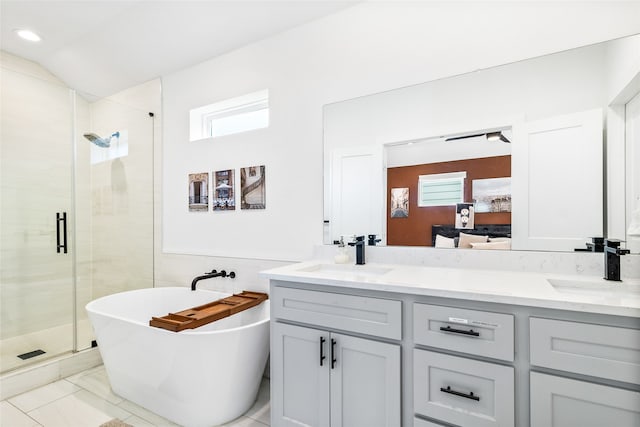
[
  {"x": 322, "y": 377},
  {"x": 358, "y": 357},
  {"x": 599, "y": 351}
]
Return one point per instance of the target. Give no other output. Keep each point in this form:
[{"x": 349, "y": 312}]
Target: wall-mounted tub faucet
[
  {"x": 211, "y": 275},
  {"x": 359, "y": 244},
  {"x": 612, "y": 253}
]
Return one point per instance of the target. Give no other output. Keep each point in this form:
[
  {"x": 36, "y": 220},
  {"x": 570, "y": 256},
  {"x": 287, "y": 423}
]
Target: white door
[
  {"x": 300, "y": 385},
  {"x": 356, "y": 192},
  {"x": 557, "y": 182},
  {"x": 365, "y": 383}
]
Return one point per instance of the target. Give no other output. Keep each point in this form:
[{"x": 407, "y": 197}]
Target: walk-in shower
[{"x": 72, "y": 230}]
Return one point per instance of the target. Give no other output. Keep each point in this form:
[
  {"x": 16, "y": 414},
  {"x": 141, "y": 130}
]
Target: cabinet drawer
[
  {"x": 463, "y": 391},
  {"x": 469, "y": 331},
  {"x": 596, "y": 350},
  {"x": 561, "y": 402},
  {"x": 372, "y": 316}
]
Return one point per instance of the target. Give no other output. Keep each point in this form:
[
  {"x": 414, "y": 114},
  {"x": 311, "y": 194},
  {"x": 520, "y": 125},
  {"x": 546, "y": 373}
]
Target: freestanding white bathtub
[{"x": 198, "y": 377}]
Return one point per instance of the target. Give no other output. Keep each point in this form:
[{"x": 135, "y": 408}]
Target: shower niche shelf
[{"x": 207, "y": 313}]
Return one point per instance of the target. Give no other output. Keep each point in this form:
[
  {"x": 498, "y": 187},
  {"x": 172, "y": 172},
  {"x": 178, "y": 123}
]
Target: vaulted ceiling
[{"x": 100, "y": 47}]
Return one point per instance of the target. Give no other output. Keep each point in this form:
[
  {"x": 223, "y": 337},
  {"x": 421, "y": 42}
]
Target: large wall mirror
[{"x": 546, "y": 150}]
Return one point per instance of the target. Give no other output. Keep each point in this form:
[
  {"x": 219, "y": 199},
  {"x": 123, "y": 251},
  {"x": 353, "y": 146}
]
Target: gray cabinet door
[
  {"x": 562, "y": 402},
  {"x": 589, "y": 349},
  {"x": 365, "y": 383},
  {"x": 299, "y": 385}
]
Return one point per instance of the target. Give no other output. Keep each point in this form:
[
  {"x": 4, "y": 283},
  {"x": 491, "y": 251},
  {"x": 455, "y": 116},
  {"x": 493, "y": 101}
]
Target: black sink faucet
[
  {"x": 612, "y": 253},
  {"x": 359, "y": 244},
  {"x": 373, "y": 240},
  {"x": 211, "y": 275}
]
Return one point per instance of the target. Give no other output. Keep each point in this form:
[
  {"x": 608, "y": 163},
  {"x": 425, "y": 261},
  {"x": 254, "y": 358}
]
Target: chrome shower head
[
  {"x": 101, "y": 142},
  {"x": 95, "y": 139}
]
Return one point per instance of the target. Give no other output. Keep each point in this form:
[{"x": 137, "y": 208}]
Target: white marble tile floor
[{"x": 86, "y": 400}]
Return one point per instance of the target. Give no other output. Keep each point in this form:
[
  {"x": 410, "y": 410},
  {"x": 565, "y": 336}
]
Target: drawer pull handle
[
  {"x": 333, "y": 357},
  {"x": 461, "y": 394},
  {"x": 322, "y": 356},
  {"x": 459, "y": 331}
]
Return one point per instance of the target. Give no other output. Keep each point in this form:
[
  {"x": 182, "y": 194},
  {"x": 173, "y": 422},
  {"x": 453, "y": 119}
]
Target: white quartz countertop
[{"x": 564, "y": 292}]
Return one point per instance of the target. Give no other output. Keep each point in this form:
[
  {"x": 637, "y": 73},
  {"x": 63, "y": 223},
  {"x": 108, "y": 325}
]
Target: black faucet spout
[
  {"x": 359, "y": 244},
  {"x": 210, "y": 275},
  {"x": 612, "y": 253}
]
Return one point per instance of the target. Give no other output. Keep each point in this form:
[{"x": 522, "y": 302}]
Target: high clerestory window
[
  {"x": 441, "y": 189},
  {"x": 240, "y": 114}
]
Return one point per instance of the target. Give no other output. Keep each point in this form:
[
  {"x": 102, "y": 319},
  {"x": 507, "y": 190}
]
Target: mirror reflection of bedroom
[{"x": 459, "y": 189}]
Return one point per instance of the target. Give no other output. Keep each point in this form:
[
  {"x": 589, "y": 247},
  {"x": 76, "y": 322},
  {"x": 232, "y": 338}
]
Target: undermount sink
[
  {"x": 578, "y": 287},
  {"x": 345, "y": 268}
]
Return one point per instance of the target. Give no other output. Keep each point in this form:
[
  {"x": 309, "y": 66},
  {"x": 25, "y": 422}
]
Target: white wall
[{"x": 369, "y": 48}]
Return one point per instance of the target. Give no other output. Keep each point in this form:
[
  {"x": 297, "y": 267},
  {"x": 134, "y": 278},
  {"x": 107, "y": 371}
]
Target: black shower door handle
[{"x": 61, "y": 219}]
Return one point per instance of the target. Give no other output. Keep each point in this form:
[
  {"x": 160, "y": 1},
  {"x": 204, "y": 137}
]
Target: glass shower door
[{"x": 37, "y": 220}]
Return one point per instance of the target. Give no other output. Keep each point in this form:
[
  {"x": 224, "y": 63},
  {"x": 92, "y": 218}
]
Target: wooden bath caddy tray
[{"x": 203, "y": 314}]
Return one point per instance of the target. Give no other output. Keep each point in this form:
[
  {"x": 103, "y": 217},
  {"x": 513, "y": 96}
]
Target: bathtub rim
[{"x": 185, "y": 331}]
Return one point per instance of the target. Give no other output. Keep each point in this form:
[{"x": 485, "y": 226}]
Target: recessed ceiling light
[{"x": 28, "y": 35}]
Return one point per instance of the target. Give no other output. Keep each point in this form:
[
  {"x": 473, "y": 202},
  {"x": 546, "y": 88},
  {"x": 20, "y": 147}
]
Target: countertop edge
[{"x": 285, "y": 274}]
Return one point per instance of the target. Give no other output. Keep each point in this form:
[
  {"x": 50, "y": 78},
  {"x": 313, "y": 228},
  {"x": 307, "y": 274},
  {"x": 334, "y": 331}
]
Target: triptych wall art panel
[{"x": 223, "y": 190}]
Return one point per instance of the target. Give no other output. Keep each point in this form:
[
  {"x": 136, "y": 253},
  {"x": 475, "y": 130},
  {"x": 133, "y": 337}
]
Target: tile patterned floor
[{"x": 86, "y": 400}]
